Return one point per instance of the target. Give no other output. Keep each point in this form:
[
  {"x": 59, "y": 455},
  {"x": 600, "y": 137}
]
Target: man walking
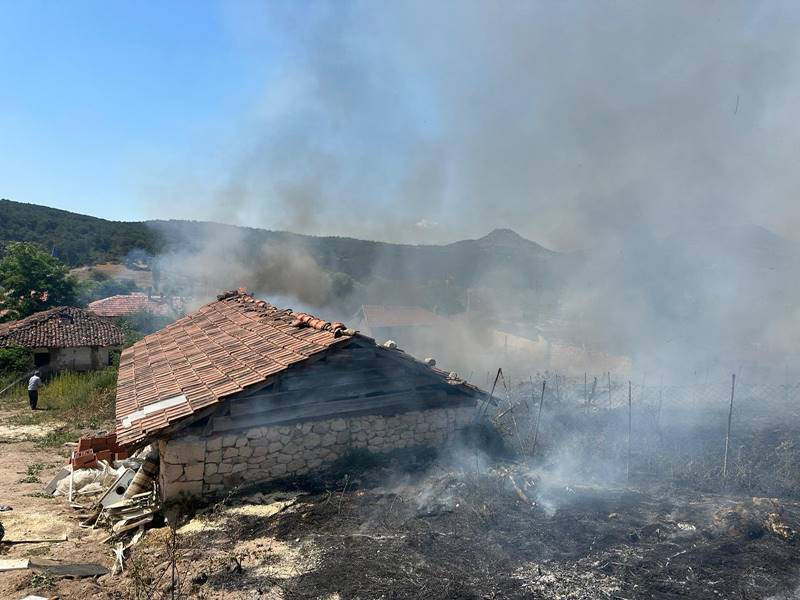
[{"x": 33, "y": 389}]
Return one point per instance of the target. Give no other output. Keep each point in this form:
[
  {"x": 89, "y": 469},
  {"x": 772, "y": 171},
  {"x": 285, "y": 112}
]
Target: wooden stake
[
  {"x": 628, "y": 464},
  {"x": 728, "y": 435},
  {"x": 491, "y": 394},
  {"x": 538, "y": 420}
]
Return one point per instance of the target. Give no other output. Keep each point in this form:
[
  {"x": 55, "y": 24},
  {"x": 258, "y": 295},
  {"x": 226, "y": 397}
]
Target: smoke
[
  {"x": 206, "y": 259},
  {"x": 651, "y": 137},
  {"x": 578, "y": 123}
]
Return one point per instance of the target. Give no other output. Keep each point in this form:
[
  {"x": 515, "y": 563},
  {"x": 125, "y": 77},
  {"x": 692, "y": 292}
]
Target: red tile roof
[
  {"x": 61, "y": 327},
  {"x": 126, "y": 305},
  {"x": 214, "y": 352},
  {"x": 397, "y": 316}
]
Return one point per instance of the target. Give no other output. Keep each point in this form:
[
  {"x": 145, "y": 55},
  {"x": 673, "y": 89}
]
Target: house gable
[{"x": 356, "y": 379}]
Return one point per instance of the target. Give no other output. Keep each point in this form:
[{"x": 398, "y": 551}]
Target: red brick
[{"x": 83, "y": 459}]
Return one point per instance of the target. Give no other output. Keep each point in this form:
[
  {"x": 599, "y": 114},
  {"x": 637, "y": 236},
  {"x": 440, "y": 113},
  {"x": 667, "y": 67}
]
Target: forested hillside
[{"x": 75, "y": 239}]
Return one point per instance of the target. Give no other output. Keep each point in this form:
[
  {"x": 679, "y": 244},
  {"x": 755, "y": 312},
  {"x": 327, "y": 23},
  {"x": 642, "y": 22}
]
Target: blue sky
[
  {"x": 98, "y": 96},
  {"x": 409, "y": 121}
]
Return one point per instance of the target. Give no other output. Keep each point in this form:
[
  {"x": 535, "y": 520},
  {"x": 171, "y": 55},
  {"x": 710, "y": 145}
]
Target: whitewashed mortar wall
[{"x": 195, "y": 465}]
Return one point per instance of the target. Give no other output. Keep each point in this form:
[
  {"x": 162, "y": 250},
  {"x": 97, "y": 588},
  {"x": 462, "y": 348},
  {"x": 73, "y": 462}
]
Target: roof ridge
[{"x": 293, "y": 318}]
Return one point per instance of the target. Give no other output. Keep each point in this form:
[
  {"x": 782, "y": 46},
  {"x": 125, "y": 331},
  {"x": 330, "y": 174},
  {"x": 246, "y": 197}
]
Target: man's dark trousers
[{"x": 33, "y": 398}]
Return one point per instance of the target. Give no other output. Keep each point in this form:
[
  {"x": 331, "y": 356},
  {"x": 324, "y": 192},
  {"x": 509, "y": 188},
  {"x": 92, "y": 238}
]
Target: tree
[{"x": 31, "y": 280}]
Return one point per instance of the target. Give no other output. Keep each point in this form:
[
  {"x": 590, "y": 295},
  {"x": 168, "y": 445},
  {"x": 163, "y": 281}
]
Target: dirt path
[
  {"x": 13, "y": 431},
  {"x": 21, "y": 489}
]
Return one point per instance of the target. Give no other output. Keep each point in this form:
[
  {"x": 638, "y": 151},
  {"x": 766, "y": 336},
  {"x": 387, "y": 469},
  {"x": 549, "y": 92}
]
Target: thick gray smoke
[
  {"x": 575, "y": 123},
  {"x": 649, "y": 136}
]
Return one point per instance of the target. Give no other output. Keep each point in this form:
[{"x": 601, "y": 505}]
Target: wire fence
[
  {"x": 594, "y": 393},
  {"x": 678, "y": 434}
]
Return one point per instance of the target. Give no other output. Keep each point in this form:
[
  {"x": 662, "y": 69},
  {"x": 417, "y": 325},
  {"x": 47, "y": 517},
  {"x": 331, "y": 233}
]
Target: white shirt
[{"x": 34, "y": 383}]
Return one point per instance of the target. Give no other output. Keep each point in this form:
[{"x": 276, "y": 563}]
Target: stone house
[
  {"x": 240, "y": 392},
  {"x": 64, "y": 338}
]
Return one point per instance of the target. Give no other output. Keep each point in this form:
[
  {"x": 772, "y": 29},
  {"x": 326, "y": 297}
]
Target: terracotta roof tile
[
  {"x": 124, "y": 305},
  {"x": 218, "y": 350},
  {"x": 62, "y": 327}
]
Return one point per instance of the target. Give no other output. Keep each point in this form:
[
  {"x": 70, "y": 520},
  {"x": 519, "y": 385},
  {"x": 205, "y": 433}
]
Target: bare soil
[{"x": 44, "y": 514}]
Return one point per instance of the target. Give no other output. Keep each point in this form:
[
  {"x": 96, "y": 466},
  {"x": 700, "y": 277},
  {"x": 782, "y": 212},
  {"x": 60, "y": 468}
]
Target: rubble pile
[{"x": 114, "y": 490}]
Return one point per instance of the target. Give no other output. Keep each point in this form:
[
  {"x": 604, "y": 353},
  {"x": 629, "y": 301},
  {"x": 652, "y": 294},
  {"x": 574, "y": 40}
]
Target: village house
[
  {"x": 240, "y": 392},
  {"x": 64, "y": 338},
  {"x": 126, "y": 305}
]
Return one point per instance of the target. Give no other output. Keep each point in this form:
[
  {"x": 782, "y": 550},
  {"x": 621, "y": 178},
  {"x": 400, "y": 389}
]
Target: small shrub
[{"x": 32, "y": 475}]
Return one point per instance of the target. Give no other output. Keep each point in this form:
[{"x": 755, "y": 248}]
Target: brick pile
[{"x": 92, "y": 449}]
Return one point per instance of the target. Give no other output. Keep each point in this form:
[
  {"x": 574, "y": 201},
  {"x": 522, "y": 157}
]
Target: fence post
[
  {"x": 728, "y": 435},
  {"x": 628, "y": 464}
]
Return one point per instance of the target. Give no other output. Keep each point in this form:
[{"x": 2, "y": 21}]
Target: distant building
[
  {"x": 64, "y": 338},
  {"x": 125, "y": 305},
  {"x": 402, "y": 324}
]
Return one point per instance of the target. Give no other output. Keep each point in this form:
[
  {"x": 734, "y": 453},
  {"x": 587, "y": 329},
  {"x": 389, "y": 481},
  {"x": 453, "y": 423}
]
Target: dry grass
[{"x": 82, "y": 400}]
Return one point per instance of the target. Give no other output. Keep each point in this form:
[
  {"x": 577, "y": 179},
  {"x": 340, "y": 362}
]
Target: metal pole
[
  {"x": 538, "y": 420},
  {"x": 628, "y": 464},
  {"x": 728, "y": 435}
]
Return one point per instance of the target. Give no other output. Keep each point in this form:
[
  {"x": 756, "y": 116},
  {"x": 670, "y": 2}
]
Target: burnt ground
[{"x": 462, "y": 535}]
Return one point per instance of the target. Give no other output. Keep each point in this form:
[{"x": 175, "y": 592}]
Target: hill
[
  {"x": 75, "y": 239},
  {"x": 729, "y": 291}
]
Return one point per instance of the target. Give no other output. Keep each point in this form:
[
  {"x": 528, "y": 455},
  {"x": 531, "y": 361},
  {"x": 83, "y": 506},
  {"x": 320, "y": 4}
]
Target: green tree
[{"x": 31, "y": 280}]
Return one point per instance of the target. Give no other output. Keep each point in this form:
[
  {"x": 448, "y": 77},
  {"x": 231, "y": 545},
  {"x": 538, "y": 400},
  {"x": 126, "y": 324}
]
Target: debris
[
  {"x": 130, "y": 513},
  {"x": 5, "y": 508},
  {"x": 119, "y": 551},
  {"x": 63, "y": 473},
  {"x": 127, "y": 525},
  {"x": 98, "y": 447},
  {"x": 87, "y": 481},
  {"x": 234, "y": 566},
  {"x": 117, "y": 490},
  {"x": 13, "y": 564},
  {"x": 145, "y": 476},
  {"x": 72, "y": 570},
  {"x": 518, "y": 490},
  {"x": 775, "y": 526}
]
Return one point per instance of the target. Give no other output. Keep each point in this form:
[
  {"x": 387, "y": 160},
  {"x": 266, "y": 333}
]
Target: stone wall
[{"x": 212, "y": 465}]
